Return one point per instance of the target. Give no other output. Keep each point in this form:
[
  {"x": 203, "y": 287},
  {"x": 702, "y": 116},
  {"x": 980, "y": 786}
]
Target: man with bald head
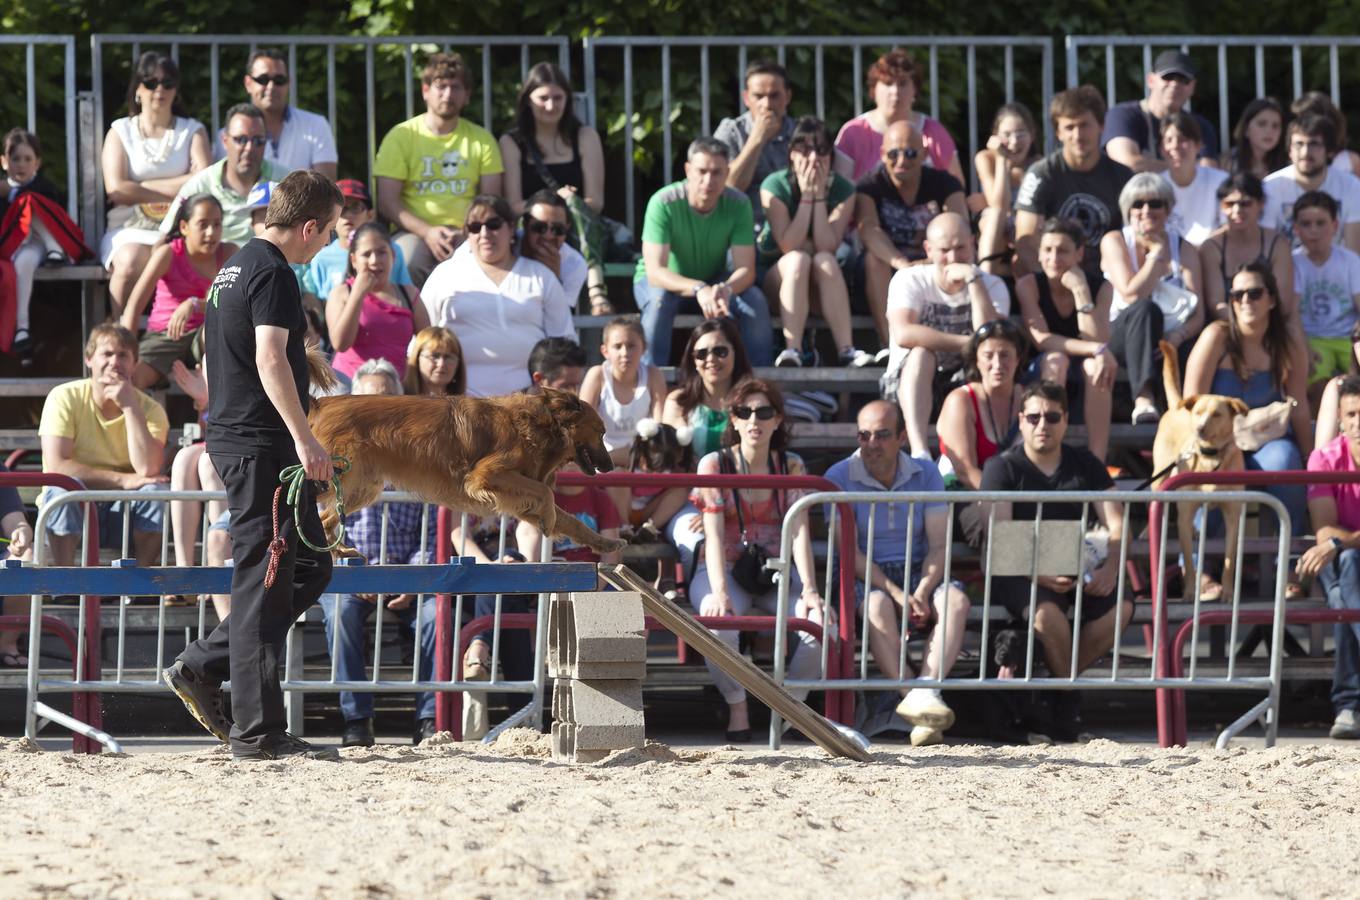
[
  {"x": 893, "y": 205},
  {"x": 932, "y": 311},
  {"x": 902, "y": 577}
]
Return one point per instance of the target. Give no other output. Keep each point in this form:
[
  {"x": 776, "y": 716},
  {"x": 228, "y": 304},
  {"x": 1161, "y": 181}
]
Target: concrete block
[
  {"x": 565, "y": 749},
  {"x": 597, "y": 635},
  {"x": 1060, "y": 545},
  {"x": 597, "y": 716}
]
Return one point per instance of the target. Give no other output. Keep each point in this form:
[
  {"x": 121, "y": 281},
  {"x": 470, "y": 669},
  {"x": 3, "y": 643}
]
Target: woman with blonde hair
[{"x": 434, "y": 364}]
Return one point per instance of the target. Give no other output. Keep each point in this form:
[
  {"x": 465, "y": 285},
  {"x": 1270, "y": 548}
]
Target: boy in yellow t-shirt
[
  {"x": 107, "y": 435},
  {"x": 431, "y": 167}
]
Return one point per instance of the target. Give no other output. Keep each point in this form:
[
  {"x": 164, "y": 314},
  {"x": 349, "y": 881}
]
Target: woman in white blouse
[
  {"x": 147, "y": 156},
  {"x": 497, "y": 302}
]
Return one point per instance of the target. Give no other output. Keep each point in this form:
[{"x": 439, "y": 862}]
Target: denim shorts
[
  {"x": 895, "y": 572},
  {"x": 146, "y": 515}
]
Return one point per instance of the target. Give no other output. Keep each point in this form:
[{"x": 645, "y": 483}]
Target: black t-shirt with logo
[
  {"x": 255, "y": 287},
  {"x": 1078, "y": 470},
  {"x": 1051, "y": 188},
  {"x": 905, "y": 223}
]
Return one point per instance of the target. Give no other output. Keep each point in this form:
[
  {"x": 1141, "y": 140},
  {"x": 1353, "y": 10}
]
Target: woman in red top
[{"x": 978, "y": 420}]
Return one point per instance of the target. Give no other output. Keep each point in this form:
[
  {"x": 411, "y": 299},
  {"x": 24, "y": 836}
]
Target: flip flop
[
  {"x": 14, "y": 660},
  {"x": 1210, "y": 591}
]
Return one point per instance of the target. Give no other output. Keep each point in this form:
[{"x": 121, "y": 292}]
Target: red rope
[{"x": 277, "y": 547}]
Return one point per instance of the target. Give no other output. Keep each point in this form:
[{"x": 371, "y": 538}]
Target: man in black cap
[{"x": 1133, "y": 128}]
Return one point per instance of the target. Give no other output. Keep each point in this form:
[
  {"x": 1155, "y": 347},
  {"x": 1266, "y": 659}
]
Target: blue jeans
[
  {"x": 1282, "y": 455},
  {"x": 660, "y": 307},
  {"x": 353, "y": 652},
  {"x": 1341, "y": 579},
  {"x": 147, "y": 515}
]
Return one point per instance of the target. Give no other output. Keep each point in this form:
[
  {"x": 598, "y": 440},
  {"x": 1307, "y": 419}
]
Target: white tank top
[
  {"x": 620, "y": 420},
  {"x": 1173, "y": 277},
  {"x": 164, "y": 157}
]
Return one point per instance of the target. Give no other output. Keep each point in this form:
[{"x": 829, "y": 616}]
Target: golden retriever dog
[
  {"x": 483, "y": 456},
  {"x": 1196, "y": 435}
]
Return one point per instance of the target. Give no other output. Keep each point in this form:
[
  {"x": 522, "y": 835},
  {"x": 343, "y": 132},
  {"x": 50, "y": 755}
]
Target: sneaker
[
  {"x": 788, "y": 357},
  {"x": 882, "y": 356},
  {"x": 357, "y": 733},
  {"x": 1346, "y": 727},
  {"x": 924, "y": 736},
  {"x": 1145, "y": 414},
  {"x": 202, "y": 698},
  {"x": 855, "y": 358},
  {"x": 822, "y": 400},
  {"x": 22, "y": 344},
  {"x": 283, "y": 746},
  {"x": 925, "y": 706},
  {"x": 799, "y": 410},
  {"x": 424, "y": 731}
]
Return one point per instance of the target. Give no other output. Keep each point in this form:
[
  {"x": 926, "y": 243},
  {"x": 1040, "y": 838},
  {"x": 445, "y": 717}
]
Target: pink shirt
[
  {"x": 385, "y": 330},
  {"x": 1336, "y": 457},
  {"x": 178, "y": 284},
  {"x": 859, "y": 141}
]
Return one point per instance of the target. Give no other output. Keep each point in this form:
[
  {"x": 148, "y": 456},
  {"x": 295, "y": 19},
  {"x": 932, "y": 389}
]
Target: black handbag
[{"x": 749, "y": 570}]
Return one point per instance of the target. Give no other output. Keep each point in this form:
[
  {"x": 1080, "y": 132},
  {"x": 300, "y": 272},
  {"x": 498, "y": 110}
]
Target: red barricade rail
[
  {"x": 85, "y": 706},
  {"x": 840, "y": 656},
  {"x": 1171, "y": 713}
]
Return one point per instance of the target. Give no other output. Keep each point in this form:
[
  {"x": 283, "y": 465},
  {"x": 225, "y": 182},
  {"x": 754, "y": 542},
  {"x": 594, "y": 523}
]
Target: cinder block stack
[{"x": 597, "y": 652}]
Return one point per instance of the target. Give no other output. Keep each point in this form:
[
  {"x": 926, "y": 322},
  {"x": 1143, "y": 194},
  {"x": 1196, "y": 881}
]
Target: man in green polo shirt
[
  {"x": 699, "y": 255},
  {"x": 230, "y": 179}
]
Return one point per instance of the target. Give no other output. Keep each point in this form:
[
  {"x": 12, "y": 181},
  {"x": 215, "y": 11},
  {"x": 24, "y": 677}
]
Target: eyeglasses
[
  {"x": 1237, "y": 295},
  {"x": 152, "y": 83},
  {"x": 263, "y": 80},
  {"x": 439, "y": 357},
  {"x": 722, "y": 351},
  {"x": 538, "y": 226},
  {"x": 865, "y": 437},
  {"x": 246, "y": 140},
  {"x": 1151, "y": 203},
  {"x": 495, "y": 223},
  {"x": 909, "y": 153},
  {"x": 1052, "y": 417},
  {"x": 763, "y": 413}
]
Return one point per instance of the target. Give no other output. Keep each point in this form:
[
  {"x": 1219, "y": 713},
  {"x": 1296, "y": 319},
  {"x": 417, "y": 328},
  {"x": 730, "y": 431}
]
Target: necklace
[{"x": 155, "y": 153}]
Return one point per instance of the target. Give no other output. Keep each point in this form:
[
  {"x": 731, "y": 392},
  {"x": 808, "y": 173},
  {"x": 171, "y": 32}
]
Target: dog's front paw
[
  {"x": 607, "y": 545},
  {"x": 343, "y": 552}
]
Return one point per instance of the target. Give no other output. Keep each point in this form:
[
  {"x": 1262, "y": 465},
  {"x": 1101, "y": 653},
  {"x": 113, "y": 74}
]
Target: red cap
[{"x": 353, "y": 189}]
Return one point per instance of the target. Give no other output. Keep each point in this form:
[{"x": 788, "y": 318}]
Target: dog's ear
[
  {"x": 1238, "y": 407},
  {"x": 1189, "y": 402}
]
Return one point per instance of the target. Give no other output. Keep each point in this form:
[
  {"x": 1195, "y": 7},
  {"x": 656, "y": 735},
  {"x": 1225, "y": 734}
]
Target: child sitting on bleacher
[
  {"x": 658, "y": 448},
  {"x": 623, "y": 389}
]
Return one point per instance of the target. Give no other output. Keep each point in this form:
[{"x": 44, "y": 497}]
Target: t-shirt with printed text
[
  {"x": 905, "y": 223},
  {"x": 1053, "y": 189},
  {"x": 439, "y": 172},
  {"x": 917, "y": 289},
  {"x": 1327, "y": 292}
]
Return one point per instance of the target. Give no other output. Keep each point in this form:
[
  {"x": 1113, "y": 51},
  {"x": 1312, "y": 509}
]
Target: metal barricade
[
  {"x": 1215, "y": 61},
  {"x": 972, "y": 117},
  {"x": 36, "y": 77},
  {"x": 398, "y": 49},
  {"x": 127, "y": 580},
  {"x": 1050, "y": 547}
]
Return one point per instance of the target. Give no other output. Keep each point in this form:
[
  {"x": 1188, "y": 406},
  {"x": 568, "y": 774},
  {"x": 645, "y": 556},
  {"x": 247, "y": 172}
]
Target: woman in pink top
[
  {"x": 367, "y": 316},
  {"x": 894, "y": 82},
  {"x": 179, "y": 273}
]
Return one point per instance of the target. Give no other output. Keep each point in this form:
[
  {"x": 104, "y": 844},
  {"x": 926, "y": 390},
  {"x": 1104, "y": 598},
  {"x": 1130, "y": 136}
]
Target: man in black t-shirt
[
  {"x": 1078, "y": 182},
  {"x": 1133, "y": 129},
  {"x": 257, "y": 425},
  {"x": 893, "y": 206},
  {"x": 1042, "y": 463}
]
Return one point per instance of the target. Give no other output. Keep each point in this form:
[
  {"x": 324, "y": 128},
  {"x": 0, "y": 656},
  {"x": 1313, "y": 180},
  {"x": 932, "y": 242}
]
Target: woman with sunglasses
[
  {"x": 1256, "y": 358},
  {"x": 1156, "y": 277},
  {"x": 754, "y": 445},
  {"x": 1240, "y": 240},
  {"x": 807, "y": 208},
  {"x": 147, "y": 157},
  {"x": 497, "y": 302}
]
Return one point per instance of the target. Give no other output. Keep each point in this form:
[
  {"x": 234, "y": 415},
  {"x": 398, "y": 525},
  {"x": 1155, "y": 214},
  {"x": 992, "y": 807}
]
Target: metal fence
[
  {"x": 36, "y": 78},
  {"x": 1281, "y": 64},
  {"x": 1049, "y": 547},
  {"x": 1025, "y": 66}
]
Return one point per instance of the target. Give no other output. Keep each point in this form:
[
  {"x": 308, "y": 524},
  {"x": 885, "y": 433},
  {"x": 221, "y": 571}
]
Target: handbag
[
  {"x": 749, "y": 570},
  {"x": 1176, "y": 303},
  {"x": 1259, "y": 426}
]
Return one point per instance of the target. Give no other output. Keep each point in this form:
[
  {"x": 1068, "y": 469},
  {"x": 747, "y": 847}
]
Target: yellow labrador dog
[{"x": 1196, "y": 435}]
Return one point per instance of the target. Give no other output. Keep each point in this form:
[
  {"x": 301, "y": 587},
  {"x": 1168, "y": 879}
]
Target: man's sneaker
[
  {"x": 856, "y": 358},
  {"x": 925, "y": 706},
  {"x": 284, "y": 746},
  {"x": 788, "y": 357},
  {"x": 1347, "y": 726},
  {"x": 203, "y": 699},
  {"x": 424, "y": 731},
  {"x": 357, "y": 733},
  {"x": 924, "y": 736}
]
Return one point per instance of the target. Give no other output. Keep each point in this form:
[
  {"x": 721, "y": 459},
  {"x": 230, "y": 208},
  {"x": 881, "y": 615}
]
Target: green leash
[{"x": 294, "y": 478}]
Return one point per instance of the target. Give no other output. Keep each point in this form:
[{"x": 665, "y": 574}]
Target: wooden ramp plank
[{"x": 749, "y": 676}]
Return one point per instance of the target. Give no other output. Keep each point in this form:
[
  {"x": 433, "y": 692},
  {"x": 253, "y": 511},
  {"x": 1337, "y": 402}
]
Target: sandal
[
  {"x": 14, "y": 660},
  {"x": 476, "y": 670},
  {"x": 1210, "y": 591},
  {"x": 1294, "y": 591}
]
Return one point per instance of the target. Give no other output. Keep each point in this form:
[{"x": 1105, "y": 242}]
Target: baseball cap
[
  {"x": 353, "y": 189},
  {"x": 1173, "y": 62},
  {"x": 259, "y": 195}
]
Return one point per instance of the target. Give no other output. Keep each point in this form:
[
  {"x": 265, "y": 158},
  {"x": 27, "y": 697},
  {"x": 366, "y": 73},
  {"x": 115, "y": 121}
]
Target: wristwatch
[
  {"x": 1087, "y": 309},
  {"x": 1337, "y": 545}
]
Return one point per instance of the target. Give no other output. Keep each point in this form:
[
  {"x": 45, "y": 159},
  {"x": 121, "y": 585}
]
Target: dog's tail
[
  {"x": 1171, "y": 375},
  {"x": 319, "y": 370}
]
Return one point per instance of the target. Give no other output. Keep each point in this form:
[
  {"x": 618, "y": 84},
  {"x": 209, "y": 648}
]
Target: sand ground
[{"x": 1094, "y": 820}]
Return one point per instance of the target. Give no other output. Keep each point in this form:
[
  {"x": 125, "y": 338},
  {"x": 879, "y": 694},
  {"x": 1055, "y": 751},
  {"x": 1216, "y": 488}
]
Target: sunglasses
[
  {"x": 1237, "y": 295},
  {"x": 1177, "y": 77},
  {"x": 263, "y": 80},
  {"x": 1150, "y": 204},
  {"x": 995, "y": 327},
  {"x": 763, "y": 413},
  {"x": 909, "y": 153},
  {"x": 495, "y": 223},
  {"x": 722, "y": 351},
  {"x": 152, "y": 83},
  {"x": 245, "y": 140},
  {"x": 865, "y": 437},
  {"x": 540, "y": 227},
  {"x": 1052, "y": 417}
]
